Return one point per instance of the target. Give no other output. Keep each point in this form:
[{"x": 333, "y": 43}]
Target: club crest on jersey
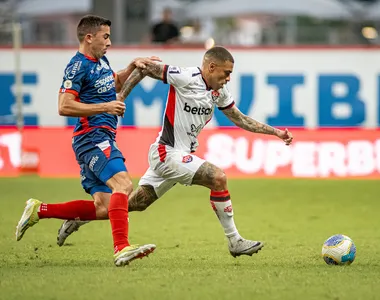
[
  {"x": 186, "y": 159},
  {"x": 214, "y": 96}
]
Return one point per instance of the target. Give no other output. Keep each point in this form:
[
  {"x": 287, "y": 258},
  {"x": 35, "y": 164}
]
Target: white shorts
[{"x": 168, "y": 166}]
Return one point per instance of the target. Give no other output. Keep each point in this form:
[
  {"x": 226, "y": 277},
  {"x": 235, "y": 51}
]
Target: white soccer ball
[{"x": 338, "y": 249}]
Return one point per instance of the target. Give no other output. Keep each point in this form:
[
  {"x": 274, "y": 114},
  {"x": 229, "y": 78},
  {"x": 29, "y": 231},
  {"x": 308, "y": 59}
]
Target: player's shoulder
[
  {"x": 76, "y": 68},
  {"x": 172, "y": 69},
  {"x": 77, "y": 62}
]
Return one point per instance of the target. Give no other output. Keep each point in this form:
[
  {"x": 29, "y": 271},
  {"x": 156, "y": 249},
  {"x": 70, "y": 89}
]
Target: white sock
[{"x": 222, "y": 205}]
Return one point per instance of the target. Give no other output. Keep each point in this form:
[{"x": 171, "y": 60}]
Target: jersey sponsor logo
[
  {"x": 104, "y": 84},
  {"x": 195, "y": 130},
  {"x": 186, "y": 159},
  {"x": 200, "y": 111},
  {"x": 72, "y": 70},
  {"x": 174, "y": 70}
]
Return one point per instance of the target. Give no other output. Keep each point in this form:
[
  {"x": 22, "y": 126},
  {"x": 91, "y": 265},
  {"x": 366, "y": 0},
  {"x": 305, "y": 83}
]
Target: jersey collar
[
  {"x": 89, "y": 57},
  {"x": 204, "y": 80}
]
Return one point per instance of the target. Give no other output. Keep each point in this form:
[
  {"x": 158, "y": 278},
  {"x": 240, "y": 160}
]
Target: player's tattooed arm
[
  {"x": 128, "y": 78},
  {"x": 154, "y": 70},
  {"x": 123, "y": 75},
  {"x": 245, "y": 122},
  {"x": 141, "y": 198},
  {"x": 151, "y": 69},
  {"x": 136, "y": 76}
]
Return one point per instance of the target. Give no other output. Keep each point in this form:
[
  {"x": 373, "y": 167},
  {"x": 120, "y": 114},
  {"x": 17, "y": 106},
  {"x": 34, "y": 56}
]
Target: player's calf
[{"x": 142, "y": 198}]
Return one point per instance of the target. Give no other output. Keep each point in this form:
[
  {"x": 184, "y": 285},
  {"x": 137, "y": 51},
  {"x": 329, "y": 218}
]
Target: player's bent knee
[
  {"x": 101, "y": 210},
  {"x": 123, "y": 186}
]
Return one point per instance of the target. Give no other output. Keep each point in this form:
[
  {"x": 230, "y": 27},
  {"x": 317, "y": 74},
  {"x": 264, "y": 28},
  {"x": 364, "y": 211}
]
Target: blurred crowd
[{"x": 172, "y": 27}]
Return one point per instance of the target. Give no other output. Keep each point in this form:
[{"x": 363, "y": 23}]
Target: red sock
[
  {"x": 81, "y": 209},
  {"x": 118, "y": 215}
]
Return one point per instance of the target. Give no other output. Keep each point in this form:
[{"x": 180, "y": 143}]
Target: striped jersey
[{"x": 189, "y": 107}]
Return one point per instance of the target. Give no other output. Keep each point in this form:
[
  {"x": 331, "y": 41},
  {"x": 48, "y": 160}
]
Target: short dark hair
[
  {"x": 219, "y": 53},
  {"x": 90, "y": 24}
]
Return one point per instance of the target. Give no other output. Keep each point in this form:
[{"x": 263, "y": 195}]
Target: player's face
[
  {"x": 220, "y": 74},
  {"x": 101, "y": 41}
]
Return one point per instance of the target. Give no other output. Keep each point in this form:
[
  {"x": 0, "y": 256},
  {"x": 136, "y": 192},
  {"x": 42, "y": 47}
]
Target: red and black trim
[
  {"x": 165, "y": 74},
  {"x": 221, "y": 196},
  {"x": 167, "y": 135},
  {"x": 228, "y": 106},
  {"x": 162, "y": 152},
  {"x": 91, "y": 58}
]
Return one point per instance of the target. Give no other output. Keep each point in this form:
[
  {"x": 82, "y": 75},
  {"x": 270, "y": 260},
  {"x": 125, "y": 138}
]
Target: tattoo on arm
[
  {"x": 152, "y": 69},
  {"x": 243, "y": 121},
  {"x": 136, "y": 76},
  {"x": 141, "y": 198}
]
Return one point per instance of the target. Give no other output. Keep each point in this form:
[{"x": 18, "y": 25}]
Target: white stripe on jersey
[{"x": 189, "y": 107}]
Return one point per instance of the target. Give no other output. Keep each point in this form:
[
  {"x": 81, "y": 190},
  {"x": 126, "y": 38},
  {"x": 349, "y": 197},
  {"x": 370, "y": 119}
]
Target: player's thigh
[
  {"x": 90, "y": 182},
  {"x": 107, "y": 164},
  {"x": 116, "y": 177},
  {"x": 177, "y": 166}
]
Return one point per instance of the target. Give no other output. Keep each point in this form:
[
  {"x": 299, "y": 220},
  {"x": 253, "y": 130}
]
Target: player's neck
[
  {"x": 205, "y": 77},
  {"x": 86, "y": 52}
]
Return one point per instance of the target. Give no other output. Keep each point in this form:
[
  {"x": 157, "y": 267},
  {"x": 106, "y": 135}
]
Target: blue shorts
[{"x": 97, "y": 166}]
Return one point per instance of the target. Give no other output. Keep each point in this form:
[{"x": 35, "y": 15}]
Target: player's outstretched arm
[
  {"x": 149, "y": 68},
  {"x": 123, "y": 75},
  {"x": 139, "y": 62},
  {"x": 245, "y": 122}
]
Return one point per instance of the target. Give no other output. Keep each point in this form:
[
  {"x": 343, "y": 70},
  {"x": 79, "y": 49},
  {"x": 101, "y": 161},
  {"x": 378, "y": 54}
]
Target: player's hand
[
  {"x": 142, "y": 62},
  {"x": 286, "y": 136},
  {"x": 116, "y": 108}
]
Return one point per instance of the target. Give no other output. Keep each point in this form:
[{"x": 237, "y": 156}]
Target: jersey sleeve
[
  {"x": 177, "y": 76},
  {"x": 225, "y": 99},
  {"x": 73, "y": 77}
]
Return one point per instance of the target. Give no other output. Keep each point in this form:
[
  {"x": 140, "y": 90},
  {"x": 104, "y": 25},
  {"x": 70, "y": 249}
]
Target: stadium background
[{"x": 330, "y": 97}]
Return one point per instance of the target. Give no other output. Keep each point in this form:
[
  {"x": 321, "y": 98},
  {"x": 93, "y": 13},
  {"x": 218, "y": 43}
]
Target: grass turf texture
[{"x": 293, "y": 218}]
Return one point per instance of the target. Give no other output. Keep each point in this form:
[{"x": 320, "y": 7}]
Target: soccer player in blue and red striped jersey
[{"x": 88, "y": 92}]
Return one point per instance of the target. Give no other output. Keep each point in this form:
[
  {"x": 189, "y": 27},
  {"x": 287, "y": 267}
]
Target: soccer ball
[{"x": 338, "y": 249}]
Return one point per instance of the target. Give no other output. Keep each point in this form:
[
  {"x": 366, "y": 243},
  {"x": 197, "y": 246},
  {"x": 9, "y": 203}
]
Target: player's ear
[
  {"x": 88, "y": 38},
  {"x": 211, "y": 67}
]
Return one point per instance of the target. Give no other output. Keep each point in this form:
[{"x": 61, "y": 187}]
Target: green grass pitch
[{"x": 292, "y": 217}]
